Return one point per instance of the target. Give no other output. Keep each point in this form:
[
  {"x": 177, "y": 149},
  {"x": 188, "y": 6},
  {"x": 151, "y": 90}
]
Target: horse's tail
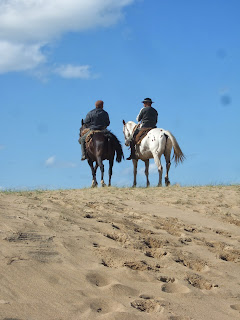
[
  {"x": 118, "y": 148},
  {"x": 178, "y": 155}
]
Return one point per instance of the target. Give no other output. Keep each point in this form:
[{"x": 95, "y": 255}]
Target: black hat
[{"x": 147, "y": 100}]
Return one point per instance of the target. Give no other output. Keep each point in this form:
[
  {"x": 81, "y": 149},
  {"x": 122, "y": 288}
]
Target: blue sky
[{"x": 59, "y": 57}]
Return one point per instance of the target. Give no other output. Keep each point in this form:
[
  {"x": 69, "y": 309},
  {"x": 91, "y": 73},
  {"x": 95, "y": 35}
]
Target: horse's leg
[
  {"x": 147, "y": 171},
  {"x": 167, "y": 155},
  {"x": 168, "y": 165},
  {"x": 94, "y": 181},
  {"x": 95, "y": 173},
  {"x": 100, "y": 164},
  {"x": 135, "y": 163},
  {"x": 160, "y": 169},
  {"x": 110, "y": 171}
]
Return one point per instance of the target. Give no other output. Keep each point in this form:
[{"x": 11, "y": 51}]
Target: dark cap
[{"x": 147, "y": 100}]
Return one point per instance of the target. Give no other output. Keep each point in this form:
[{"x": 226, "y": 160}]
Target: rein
[
  {"x": 84, "y": 131},
  {"x": 135, "y": 128}
]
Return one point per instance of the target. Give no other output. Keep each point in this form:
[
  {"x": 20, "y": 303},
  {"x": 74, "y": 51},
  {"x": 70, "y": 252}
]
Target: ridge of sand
[{"x": 118, "y": 253}]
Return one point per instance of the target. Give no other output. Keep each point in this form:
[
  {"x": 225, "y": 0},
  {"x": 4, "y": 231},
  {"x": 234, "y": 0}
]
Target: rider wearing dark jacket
[
  {"x": 148, "y": 117},
  {"x": 96, "y": 119}
]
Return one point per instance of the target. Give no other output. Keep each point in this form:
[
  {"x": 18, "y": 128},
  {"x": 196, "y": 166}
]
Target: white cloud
[
  {"x": 152, "y": 169},
  {"x": 71, "y": 71},
  {"x": 50, "y": 161},
  {"x": 26, "y": 26},
  {"x": 18, "y": 57}
]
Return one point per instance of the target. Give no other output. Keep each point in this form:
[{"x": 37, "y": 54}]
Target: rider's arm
[
  {"x": 107, "y": 120},
  {"x": 140, "y": 115},
  {"x": 88, "y": 119}
]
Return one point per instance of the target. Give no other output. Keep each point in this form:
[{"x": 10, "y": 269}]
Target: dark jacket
[
  {"x": 97, "y": 119},
  {"x": 148, "y": 116}
]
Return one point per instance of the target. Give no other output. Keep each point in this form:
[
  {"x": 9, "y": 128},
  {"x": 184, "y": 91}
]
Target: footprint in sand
[
  {"x": 175, "y": 288},
  {"x": 199, "y": 282},
  {"x": 103, "y": 306},
  {"x": 122, "y": 290},
  {"x": 141, "y": 266},
  {"x": 96, "y": 279},
  {"x": 147, "y": 305},
  {"x": 166, "y": 279},
  {"x": 235, "y": 307},
  {"x": 146, "y": 296},
  {"x": 190, "y": 261}
]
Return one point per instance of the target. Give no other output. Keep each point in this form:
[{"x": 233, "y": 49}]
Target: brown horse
[{"x": 102, "y": 146}]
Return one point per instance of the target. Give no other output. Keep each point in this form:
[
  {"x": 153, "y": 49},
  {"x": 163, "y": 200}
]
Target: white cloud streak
[
  {"x": 26, "y": 26},
  {"x": 52, "y": 162},
  {"x": 71, "y": 71},
  {"x": 152, "y": 169}
]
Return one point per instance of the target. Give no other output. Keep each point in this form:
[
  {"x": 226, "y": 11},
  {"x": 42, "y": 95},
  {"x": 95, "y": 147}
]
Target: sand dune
[{"x": 108, "y": 253}]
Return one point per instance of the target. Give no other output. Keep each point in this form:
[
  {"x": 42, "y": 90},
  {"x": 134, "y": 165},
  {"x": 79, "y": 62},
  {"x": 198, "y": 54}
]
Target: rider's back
[
  {"x": 149, "y": 116},
  {"x": 97, "y": 119}
]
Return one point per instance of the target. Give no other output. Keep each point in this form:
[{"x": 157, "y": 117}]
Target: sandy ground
[{"x": 108, "y": 253}]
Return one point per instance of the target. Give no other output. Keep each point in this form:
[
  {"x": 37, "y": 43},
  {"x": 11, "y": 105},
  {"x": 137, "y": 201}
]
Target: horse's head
[{"x": 128, "y": 131}]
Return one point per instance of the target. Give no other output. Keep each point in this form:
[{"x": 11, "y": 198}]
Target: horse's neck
[{"x": 132, "y": 127}]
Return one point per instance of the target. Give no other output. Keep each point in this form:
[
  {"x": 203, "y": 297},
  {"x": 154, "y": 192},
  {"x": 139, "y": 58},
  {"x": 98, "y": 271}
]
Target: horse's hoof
[
  {"x": 134, "y": 186},
  {"x": 167, "y": 182},
  {"x": 159, "y": 185},
  {"x": 94, "y": 184},
  {"x": 148, "y": 185},
  {"x": 103, "y": 184}
]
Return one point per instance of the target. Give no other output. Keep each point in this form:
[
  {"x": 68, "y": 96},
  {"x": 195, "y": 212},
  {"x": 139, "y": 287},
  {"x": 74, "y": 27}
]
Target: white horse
[{"x": 154, "y": 144}]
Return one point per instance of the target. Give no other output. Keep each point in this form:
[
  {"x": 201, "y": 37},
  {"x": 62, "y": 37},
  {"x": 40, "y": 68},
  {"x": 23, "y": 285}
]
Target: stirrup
[{"x": 131, "y": 157}]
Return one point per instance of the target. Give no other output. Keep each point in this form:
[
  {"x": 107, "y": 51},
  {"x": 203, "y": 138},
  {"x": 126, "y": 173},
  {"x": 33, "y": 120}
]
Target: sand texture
[{"x": 111, "y": 253}]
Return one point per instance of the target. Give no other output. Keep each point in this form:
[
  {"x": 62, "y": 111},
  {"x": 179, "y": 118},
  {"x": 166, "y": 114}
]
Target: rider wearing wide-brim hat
[{"x": 147, "y": 117}]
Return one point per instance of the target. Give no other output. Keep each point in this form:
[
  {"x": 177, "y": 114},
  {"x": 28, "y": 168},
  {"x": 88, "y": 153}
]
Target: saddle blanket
[{"x": 90, "y": 135}]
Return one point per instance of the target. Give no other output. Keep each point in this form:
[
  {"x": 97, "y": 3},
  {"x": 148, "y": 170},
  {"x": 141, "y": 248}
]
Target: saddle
[
  {"x": 90, "y": 136},
  {"x": 141, "y": 134}
]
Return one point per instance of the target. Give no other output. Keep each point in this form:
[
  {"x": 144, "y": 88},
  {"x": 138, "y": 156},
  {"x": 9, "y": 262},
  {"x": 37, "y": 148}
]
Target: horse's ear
[
  {"x": 82, "y": 122},
  {"x": 124, "y": 122}
]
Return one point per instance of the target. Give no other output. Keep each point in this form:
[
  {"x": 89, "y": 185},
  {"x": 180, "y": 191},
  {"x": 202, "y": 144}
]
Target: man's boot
[{"x": 132, "y": 155}]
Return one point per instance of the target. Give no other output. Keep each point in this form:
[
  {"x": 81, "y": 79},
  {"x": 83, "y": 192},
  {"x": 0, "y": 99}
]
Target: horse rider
[
  {"x": 147, "y": 118},
  {"x": 96, "y": 119}
]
